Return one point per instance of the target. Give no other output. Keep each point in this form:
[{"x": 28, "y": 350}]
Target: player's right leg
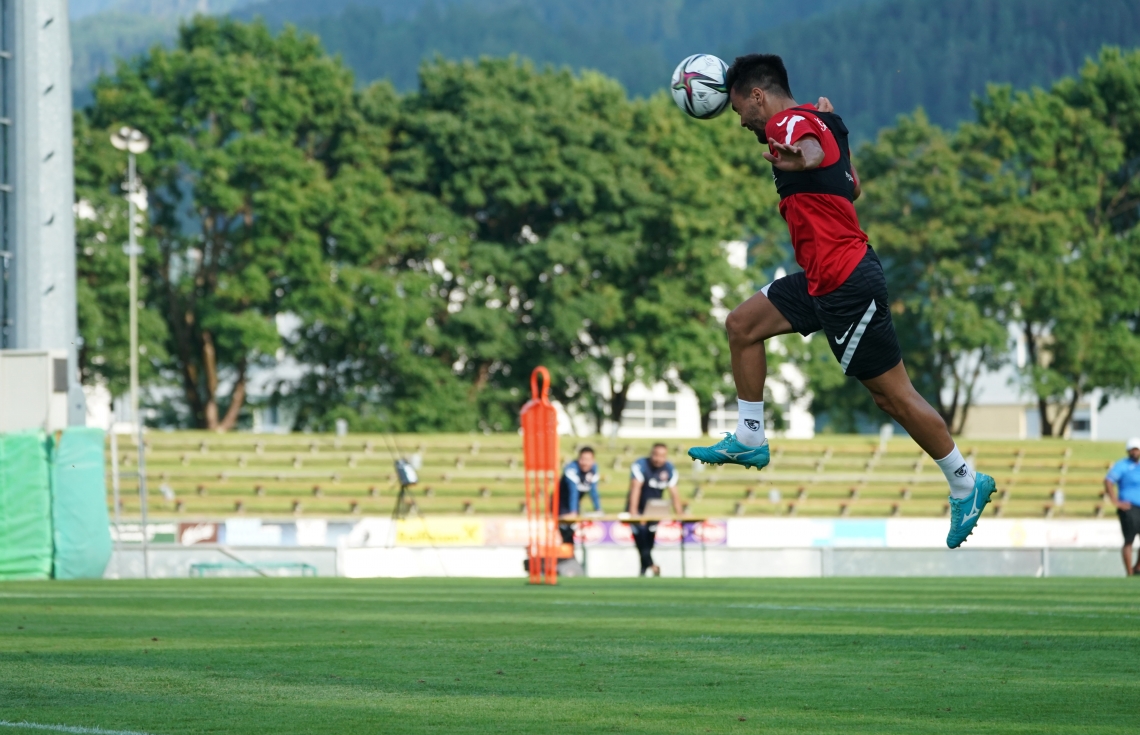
[
  {"x": 781, "y": 307},
  {"x": 970, "y": 491},
  {"x": 856, "y": 318}
]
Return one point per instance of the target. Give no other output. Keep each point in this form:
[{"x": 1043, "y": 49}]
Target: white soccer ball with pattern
[{"x": 698, "y": 86}]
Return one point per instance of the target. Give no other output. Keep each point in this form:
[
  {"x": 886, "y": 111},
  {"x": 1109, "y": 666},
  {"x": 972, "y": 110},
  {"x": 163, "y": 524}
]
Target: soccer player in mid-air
[{"x": 841, "y": 291}]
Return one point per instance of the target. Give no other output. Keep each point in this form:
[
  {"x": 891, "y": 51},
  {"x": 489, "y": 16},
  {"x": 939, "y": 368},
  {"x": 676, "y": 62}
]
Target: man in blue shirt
[
  {"x": 649, "y": 478},
  {"x": 579, "y": 478},
  {"x": 1125, "y": 475}
]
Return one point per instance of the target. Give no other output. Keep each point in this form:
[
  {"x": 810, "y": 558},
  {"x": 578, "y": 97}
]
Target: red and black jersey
[{"x": 818, "y": 204}]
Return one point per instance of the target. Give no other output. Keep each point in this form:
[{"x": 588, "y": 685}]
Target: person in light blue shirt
[{"x": 1122, "y": 486}]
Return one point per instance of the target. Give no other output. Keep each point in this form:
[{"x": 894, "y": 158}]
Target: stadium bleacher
[{"x": 200, "y": 475}]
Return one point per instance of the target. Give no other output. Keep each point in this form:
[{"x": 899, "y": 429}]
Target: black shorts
[
  {"x": 856, "y": 317},
  {"x": 1129, "y": 523}
]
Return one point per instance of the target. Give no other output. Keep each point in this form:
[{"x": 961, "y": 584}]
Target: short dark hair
[
  {"x": 658, "y": 444},
  {"x": 583, "y": 450},
  {"x": 765, "y": 71}
]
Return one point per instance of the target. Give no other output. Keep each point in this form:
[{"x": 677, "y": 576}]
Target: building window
[
  {"x": 664, "y": 414},
  {"x": 1080, "y": 424},
  {"x": 634, "y": 414},
  {"x": 654, "y": 414}
]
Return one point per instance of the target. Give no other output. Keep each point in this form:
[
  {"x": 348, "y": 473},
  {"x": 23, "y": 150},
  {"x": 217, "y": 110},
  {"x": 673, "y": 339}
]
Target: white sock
[
  {"x": 958, "y": 474},
  {"x": 750, "y": 425}
]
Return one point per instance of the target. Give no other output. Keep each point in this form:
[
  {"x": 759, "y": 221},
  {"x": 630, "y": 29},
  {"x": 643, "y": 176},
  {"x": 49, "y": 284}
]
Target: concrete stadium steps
[{"x": 268, "y": 475}]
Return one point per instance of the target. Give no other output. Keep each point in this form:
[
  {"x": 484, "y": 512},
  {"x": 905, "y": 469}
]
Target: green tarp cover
[
  {"x": 82, "y": 529},
  {"x": 25, "y": 506}
]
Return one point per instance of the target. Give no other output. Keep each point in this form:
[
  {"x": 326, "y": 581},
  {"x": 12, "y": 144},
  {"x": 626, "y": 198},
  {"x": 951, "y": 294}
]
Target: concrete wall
[
  {"x": 995, "y": 422},
  {"x": 174, "y": 560}
]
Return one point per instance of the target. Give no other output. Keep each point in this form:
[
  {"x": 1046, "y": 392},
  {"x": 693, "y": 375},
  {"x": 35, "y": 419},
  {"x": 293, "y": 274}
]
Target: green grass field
[{"x": 644, "y": 656}]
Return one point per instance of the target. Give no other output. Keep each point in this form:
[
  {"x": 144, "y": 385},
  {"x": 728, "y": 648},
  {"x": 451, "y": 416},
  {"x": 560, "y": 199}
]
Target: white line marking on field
[
  {"x": 68, "y": 728},
  {"x": 847, "y": 609}
]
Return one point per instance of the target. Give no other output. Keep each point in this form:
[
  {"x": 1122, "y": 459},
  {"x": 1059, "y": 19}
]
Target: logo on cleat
[
  {"x": 974, "y": 511},
  {"x": 732, "y": 455}
]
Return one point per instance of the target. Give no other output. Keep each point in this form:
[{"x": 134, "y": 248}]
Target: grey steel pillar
[
  {"x": 7, "y": 198},
  {"x": 40, "y": 290}
]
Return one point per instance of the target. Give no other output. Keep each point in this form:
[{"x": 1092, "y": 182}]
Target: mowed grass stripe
[{"x": 652, "y": 656}]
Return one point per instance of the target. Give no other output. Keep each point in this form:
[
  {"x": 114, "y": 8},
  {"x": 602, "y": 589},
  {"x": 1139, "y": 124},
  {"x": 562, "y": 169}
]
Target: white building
[{"x": 1002, "y": 409}]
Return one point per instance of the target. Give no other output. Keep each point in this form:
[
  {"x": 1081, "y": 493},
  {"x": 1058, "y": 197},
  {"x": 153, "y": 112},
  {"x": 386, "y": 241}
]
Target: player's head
[
  {"x": 659, "y": 455},
  {"x": 1133, "y": 448},
  {"x": 758, "y": 89},
  {"x": 586, "y": 458}
]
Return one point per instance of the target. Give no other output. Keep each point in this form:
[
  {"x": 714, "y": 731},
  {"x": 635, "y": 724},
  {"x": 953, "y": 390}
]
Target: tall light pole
[{"x": 133, "y": 142}]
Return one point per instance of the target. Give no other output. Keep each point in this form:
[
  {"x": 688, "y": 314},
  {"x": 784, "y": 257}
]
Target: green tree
[
  {"x": 554, "y": 223},
  {"x": 242, "y": 125},
  {"x": 926, "y": 210},
  {"x": 713, "y": 184},
  {"x": 1071, "y": 278},
  {"x": 555, "y": 192}
]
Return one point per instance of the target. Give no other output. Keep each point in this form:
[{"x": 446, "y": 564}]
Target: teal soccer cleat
[
  {"x": 965, "y": 512},
  {"x": 730, "y": 451}
]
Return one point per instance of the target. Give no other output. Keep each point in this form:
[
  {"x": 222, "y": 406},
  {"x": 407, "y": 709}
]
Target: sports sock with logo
[
  {"x": 958, "y": 474},
  {"x": 750, "y": 425}
]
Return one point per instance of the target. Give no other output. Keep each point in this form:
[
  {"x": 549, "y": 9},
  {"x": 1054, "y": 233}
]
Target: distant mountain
[
  {"x": 876, "y": 59},
  {"x": 105, "y": 30},
  {"x": 636, "y": 41},
  {"x": 152, "y": 8},
  {"x": 883, "y": 59}
]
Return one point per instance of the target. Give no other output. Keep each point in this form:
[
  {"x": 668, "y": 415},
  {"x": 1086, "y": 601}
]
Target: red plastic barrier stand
[{"x": 539, "y": 423}]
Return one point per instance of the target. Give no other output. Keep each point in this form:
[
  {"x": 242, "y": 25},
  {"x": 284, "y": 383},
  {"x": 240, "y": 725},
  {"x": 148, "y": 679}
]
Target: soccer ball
[{"x": 698, "y": 86}]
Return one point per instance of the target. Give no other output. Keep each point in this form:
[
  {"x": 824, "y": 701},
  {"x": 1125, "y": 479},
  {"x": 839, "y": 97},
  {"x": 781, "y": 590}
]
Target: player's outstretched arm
[{"x": 805, "y": 155}]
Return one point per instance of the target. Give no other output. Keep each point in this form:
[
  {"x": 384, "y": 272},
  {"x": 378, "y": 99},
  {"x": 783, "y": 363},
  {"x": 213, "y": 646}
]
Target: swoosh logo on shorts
[{"x": 841, "y": 340}]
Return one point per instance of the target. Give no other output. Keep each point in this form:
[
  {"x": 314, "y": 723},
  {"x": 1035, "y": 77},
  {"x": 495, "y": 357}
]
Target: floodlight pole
[
  {"x": 133, "y": 255},
  {"x": 133, "y": 141}
]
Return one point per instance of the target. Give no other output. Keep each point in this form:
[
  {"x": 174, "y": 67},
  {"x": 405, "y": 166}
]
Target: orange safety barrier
[{"x": 541, "y": 463}]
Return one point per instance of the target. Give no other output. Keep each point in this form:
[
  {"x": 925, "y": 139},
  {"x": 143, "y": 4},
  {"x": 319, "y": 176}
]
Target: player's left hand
[
  {"x": 824, "y": 105},
  {"x": 786, "y": 157}
]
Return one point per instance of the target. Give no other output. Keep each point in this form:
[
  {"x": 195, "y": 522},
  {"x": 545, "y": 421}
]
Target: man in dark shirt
[{"x": 649, "y": 478}]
